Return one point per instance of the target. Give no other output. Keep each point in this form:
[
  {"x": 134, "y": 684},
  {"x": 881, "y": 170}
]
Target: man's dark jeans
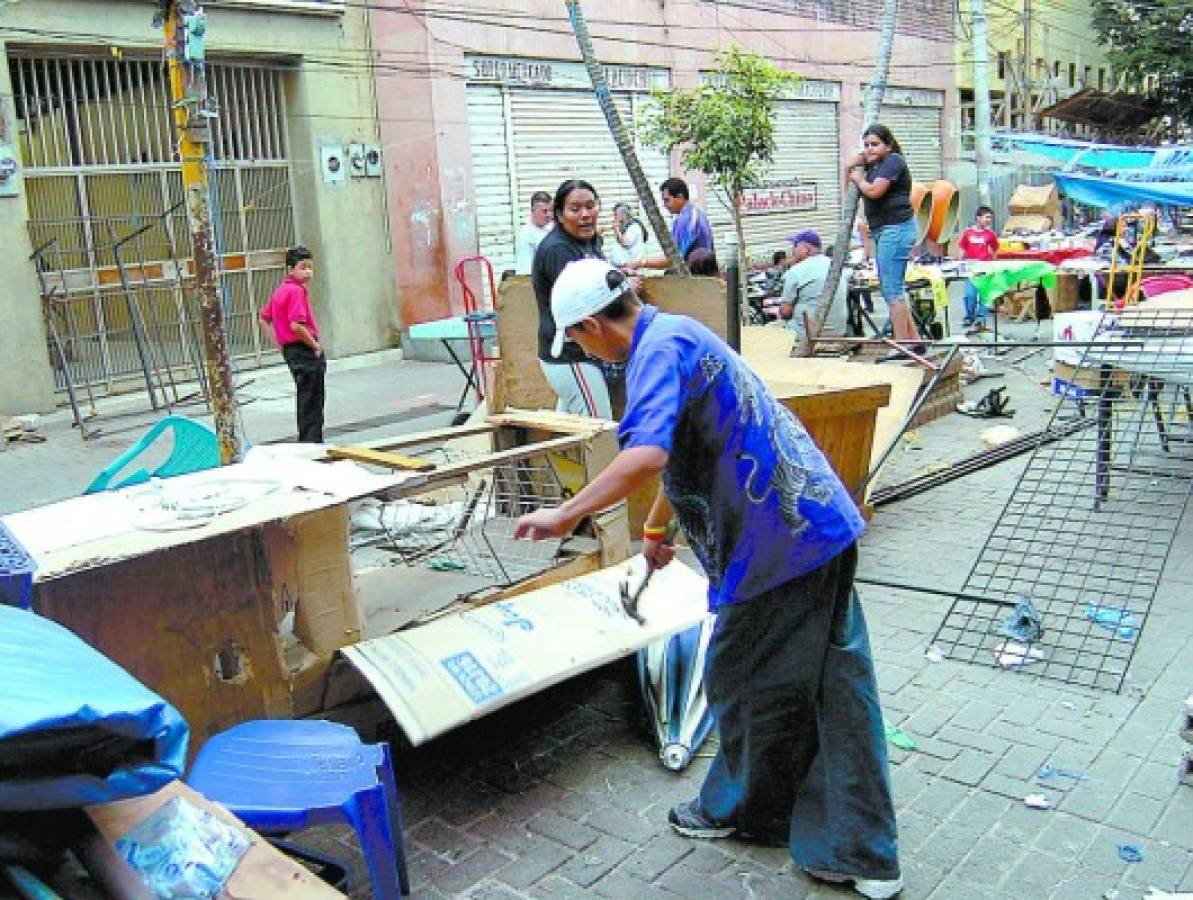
[{"x": 308, "y": 371}]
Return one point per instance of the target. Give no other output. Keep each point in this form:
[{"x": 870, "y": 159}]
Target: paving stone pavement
[{"x": 562, "y": 795}]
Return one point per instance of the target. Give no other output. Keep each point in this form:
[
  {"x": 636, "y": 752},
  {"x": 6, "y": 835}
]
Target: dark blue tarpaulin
[
  {"x": 1113, "y": 192},
  {"x": 75, "y": 728}
]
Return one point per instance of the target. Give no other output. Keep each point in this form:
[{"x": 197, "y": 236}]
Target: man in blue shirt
[
  {"x": 802, "y": 756},
  {"x": 689, "y": 229}
]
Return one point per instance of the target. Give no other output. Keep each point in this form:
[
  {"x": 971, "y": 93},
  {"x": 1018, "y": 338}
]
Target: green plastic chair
[{"x": 195, "y": 448}]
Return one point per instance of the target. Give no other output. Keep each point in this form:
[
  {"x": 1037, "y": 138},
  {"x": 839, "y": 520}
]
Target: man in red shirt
[
  {"x": 981, "y": 243},
  {"x": 297, "y": 334}
]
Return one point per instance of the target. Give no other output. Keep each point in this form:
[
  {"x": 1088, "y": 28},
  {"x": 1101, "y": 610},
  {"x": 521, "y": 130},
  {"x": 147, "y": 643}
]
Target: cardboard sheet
[
  {"x": 459, "y": 668},
  {"x": 96, "y": 529}
]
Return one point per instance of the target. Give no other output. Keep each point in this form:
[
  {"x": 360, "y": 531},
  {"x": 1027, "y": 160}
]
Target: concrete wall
[
  {"x": 424, "y": 109},
  {"x": 330, "y": 95}
]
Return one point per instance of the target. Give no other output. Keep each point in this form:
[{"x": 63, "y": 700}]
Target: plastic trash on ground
[{"x": 182, "y": 851}]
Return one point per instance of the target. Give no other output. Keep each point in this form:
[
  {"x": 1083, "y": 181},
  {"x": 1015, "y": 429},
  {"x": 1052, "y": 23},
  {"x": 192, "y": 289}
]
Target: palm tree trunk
[
  {"x": 624, "y": 145},
  {"x": 886, "y": 41}
]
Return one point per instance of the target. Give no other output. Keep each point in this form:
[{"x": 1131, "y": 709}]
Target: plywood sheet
[{"x": 465, "y": 665}]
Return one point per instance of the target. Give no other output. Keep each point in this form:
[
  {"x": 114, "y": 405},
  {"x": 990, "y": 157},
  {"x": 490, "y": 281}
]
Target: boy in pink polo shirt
[{"x": 297, "y": 334}]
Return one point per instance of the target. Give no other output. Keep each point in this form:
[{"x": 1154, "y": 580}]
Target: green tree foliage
[
  {"x": 725, "y": 127},
  {"x": 1150, "y": 39}
]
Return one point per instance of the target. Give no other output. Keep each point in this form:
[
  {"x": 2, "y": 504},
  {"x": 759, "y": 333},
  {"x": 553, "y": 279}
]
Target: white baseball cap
[{"x": 583, "y": 288}]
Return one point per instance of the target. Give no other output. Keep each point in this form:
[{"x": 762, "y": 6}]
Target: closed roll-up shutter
[
  {"x": 807, "y": 151},
  {"x": 497, "y": 221},
  {"x": 560, "y": 134},
  {"x": 918, "y": 131}
]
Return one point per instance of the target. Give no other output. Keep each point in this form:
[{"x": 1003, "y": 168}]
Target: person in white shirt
[
  {"x": 540, "y": 224},
  {"x": 803, "y": 284},
  {"x": 629, "y": 234}
]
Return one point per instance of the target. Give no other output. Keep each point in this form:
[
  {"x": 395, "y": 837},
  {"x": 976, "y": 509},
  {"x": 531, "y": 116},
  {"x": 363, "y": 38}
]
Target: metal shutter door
[
  {"x": 496, "y": 219},
  {"x": 918, "y": 131},
  {"x": 808, "y": 149},
  {"x": 559, "y": 134}
]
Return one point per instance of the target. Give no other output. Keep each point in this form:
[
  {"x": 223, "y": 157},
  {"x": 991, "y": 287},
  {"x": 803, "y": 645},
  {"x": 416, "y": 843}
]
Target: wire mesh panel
[
  {"x": 467, "y": 526},
  {"x": 1065, "y": 581}
]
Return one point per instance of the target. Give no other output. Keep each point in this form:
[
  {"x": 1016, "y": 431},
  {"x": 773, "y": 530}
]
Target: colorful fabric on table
[{"x": 992, "y": 280}]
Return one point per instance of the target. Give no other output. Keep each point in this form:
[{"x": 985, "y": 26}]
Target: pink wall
[{"x": 424, "y": 119}]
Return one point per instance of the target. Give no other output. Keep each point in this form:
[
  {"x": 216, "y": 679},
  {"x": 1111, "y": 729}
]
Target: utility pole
[
  {"x": 624, "y": 145},
  {"x": 1026, "y": 68},
  {"x": 185, "y": 34},
  {"x": 981, "y": 98},
  {"x": 882, "y": 65}
]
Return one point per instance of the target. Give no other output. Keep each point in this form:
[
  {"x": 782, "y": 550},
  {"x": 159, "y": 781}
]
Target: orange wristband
[{"x": 654, "y": 532}]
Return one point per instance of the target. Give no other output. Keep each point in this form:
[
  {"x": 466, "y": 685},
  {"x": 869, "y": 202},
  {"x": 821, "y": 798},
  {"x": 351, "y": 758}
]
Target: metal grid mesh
[
  {"x": 468, "y": 526},
  {"x": 1088, "y": 527}
]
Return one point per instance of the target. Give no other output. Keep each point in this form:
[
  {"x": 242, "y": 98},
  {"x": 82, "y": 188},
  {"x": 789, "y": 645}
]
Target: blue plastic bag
[{"x": 75, "y": 728}]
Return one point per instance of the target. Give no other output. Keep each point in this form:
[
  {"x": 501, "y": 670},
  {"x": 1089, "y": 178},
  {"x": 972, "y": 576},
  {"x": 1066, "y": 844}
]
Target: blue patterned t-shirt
[{"x": 756, "y": 498}]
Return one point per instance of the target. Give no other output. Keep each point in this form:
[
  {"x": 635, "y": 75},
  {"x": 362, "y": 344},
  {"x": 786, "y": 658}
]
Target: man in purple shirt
[{"x": 689, "y": 229}]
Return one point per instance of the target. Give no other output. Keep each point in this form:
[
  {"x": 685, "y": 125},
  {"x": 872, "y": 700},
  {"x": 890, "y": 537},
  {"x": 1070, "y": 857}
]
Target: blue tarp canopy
[
  {"x": 75, "y": 728},
  {"x": 1097, "y": 156},
  {"x": 1112, "y": 192}
]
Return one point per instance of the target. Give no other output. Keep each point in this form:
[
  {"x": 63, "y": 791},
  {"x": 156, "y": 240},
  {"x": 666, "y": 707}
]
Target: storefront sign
[
  {"x": 796, "y": 197},
  {"x": 806, "y": 89},
  {"x": 552, "y": 74},
  {"x": 901, "y": 96},
  {"x": 325, "y": 7}
]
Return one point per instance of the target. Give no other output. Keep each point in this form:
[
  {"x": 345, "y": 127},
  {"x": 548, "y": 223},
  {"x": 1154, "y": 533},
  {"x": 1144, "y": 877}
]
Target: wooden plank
[
  {"x": 380, "y": 458},
  {"x": 550, "y": 420},
  {"x": 501, "y": 457},
  {"x": 417, "y": 438}
]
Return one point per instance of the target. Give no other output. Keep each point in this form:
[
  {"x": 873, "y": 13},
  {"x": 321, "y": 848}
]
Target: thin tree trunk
[
  {"x": 886, "y": 41},
  {"x": 624, "y": 145},
  {"x": 743, "y": 256}
]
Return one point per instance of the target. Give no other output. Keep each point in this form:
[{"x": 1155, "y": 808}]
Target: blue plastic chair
[
  {"x": 280, "y": 776},
  {"x": 195, "y": 448}
]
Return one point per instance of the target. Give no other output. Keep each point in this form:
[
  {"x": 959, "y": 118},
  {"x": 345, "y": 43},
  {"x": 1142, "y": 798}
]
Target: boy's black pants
[{"x": 308, "y": 371}]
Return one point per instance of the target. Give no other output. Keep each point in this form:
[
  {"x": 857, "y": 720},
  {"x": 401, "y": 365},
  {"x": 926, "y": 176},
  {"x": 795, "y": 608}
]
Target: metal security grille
[
  {"x": 1064, "y": 585},
  {"x": 110, "y": 235}
]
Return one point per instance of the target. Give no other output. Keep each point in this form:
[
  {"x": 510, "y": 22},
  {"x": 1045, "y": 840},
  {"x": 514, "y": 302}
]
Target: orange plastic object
[
  {"x": 921, "y": 209},
  {"x": 945, "y": 211}
]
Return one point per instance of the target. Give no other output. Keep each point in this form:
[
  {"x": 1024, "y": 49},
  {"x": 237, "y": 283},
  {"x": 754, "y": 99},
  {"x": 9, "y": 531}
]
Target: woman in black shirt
[
  {"x": 882, "y": 177},
  {"x": 578, "y": 382}
]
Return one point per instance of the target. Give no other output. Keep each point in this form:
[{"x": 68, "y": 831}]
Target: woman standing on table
[
  {"x": 577, "y": 381},
  {"x": 882, "y": 177}
]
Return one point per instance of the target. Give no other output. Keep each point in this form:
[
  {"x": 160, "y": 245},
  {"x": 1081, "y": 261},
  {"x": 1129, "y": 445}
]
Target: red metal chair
[{"x": 480, "y": 317}]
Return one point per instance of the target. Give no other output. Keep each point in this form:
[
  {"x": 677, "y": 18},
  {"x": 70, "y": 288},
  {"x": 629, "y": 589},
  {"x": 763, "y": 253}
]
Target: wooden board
[
  {"x": 522, "y": 383},
  {"x": 198, "y": 623},
  {"x": 262, "y": 871},
  {"x": 380, "y": 458}
]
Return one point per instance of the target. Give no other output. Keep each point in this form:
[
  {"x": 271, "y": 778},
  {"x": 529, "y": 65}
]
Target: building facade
[
  {"x": 1039, "y": 52},
  {"x": 483, "y": 105},
  {"x": 99, "y": 248}
]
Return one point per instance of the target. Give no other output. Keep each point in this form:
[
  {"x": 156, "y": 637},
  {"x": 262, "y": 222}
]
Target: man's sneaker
[
  {"x": 871, "y": 888},
  {"x": 690, "y": 820}
]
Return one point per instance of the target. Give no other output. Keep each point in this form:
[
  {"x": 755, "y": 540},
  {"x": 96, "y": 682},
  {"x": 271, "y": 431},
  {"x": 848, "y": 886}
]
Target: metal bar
[
  {"x": 112, "y": 76},
  {"x": 155, "y": 329},
  {"x": 86, "y": 151},
  {"x": 104, "y": 125},
  {"x": 257, "y": 83},
  {"x": 41, "y": 125},
  {"x": 45, "y": 74},
  {"x": 129, "y": 107},
  {"x": 134, "y": 319},
  {"x": 74, "y": 331},
  {"x": 935, "y": 592}
]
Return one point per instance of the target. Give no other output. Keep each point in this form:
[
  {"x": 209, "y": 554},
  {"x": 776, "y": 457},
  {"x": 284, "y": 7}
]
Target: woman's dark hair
[
  {"x": 297, "y": 254},
  {"x": 883, "y": 134},
  {"x": 572, "y": 184}
]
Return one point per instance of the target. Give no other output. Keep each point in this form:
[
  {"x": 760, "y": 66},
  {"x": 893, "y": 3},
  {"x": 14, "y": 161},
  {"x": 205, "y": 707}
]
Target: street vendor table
[
  {"x": 1054, "y": 256},
  {"x": 992, "y": 280},
  {"x": 471, "y": 329}
]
